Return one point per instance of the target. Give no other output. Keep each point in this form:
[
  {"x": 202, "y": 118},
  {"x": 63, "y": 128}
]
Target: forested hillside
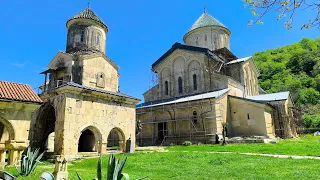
[{"x": 294, "y": 68}]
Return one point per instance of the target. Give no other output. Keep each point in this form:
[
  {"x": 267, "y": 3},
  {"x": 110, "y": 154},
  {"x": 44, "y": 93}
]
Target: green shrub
[
  {"x": 311, "y": 121},
  {"x": 187, "y": 143},
  {"x": 29, "y": 161}
]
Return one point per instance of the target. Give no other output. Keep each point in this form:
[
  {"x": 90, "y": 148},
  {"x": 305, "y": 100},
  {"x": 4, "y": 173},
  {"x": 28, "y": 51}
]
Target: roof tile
[{"x": 18, "y": 92}]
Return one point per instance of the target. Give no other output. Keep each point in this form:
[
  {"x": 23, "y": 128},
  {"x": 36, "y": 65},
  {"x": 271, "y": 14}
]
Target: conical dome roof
[
  {"x": 206, "y": 20},
  {"x": 87, "y": 14}
]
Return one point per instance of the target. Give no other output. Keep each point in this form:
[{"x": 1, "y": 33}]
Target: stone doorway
[{"x": 116, "y": 140}]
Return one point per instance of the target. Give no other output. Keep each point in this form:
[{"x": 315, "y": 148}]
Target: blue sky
[{"x": 141, "y": 31}]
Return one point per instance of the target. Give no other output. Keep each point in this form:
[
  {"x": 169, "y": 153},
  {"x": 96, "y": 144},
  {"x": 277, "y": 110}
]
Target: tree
[{"x": 284, "y": 8}]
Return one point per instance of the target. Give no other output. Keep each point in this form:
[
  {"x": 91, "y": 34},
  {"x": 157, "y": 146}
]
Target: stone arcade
[
  {"x": 201, "y": 85},
  {"x": 82, "y": 104}
]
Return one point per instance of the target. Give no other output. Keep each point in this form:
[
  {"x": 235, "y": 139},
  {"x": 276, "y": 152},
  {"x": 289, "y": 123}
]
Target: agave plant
[
  {"x": 29, "y": 162},
  {"x": 115, "y": 167}
]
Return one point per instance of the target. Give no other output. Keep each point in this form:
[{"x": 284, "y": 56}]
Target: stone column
[
  {"x": 122, "y": 145},
  {"x": 103, "y": 149},
  {"x": 2, "y": 156},
  {"x": 12, "y": 156}
]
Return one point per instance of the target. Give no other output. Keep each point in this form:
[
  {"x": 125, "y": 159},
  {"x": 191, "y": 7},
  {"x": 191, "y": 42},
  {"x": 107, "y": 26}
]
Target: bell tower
[{"x": 86, "y": 33}]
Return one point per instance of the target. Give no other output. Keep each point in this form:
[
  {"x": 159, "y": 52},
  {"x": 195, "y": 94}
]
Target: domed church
[{"x": 202, "y": 86}]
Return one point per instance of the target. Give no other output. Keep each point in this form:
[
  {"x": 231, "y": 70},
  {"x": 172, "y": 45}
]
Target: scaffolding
[{"x": 202, "y": 118}]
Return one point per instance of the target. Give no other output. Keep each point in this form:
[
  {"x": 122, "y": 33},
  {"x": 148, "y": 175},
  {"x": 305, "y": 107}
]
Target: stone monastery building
[{"x": 201, "y": 85}]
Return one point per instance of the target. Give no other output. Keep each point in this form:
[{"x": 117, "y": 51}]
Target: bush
[
  {"x": 311, "y": 121},
  {"x": 187, "y": 143}
]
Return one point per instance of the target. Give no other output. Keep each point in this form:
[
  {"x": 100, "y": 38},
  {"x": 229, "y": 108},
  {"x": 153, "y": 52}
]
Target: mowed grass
[
  {"x": 196, "y": 162},
  {"x": 307, "y": 145},
  {"x": 195, "y": 165}
]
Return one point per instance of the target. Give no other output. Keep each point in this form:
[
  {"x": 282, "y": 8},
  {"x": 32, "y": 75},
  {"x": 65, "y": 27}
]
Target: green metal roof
[
  {"x": 206, "y": 20},
  {"x": 88, "y": 14}
]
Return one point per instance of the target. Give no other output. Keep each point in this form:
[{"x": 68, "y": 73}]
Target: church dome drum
[
  {"x": 208, "y": 32},
  {"x": 86, "y": 32}
]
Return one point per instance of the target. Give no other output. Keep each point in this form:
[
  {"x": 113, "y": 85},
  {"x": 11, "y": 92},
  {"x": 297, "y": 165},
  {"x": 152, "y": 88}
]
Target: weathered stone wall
[
  {"x": 181, "y": 64},
  {"x": 99, "y": 73},
  {"x": 250, "y": 79},
  {"x": 249, "y": 118},
  {"x": 98, "y": 115},
  {"x": 16, "y": 118}
]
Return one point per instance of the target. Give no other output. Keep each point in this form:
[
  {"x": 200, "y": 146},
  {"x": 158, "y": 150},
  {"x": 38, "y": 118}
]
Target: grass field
[
  {"x": 305, "y": 146},
  {"x": 184, "y": 163}
]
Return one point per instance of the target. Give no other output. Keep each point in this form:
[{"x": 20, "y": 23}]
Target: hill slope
[{"x": 294, "y": 68}]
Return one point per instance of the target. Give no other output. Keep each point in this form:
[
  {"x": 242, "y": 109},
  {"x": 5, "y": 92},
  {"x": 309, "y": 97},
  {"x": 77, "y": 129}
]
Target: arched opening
[
  {"x": 116, "y": 140},
  {"x": 44, "y": 126},
  {"x": 87, "y": 142},
  {"x": 90, "y": 140},
  {"x": 6, "y": 133}
]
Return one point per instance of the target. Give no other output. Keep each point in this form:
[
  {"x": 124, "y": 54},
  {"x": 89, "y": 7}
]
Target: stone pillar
[
  {"x": 12, "y": 156},
  {"x": 19, "y": 155},
  {"x": 103, "y": 148},
  {"x": 2, "y": 156},
  {"x": 61, "y": 168},
  {"x": 122, "y": 145},
  {"x": 15, "y": 149}
]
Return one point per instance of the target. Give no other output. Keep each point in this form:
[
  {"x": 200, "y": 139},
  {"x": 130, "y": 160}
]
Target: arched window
[
  {"x": 166, "y": 86},
  {"x": 195, "y": 83},
  {"x": 205, "y": 37},
  {"x": 98, "y": 40},
  {"x": 82, "y": 36},
  {"x": 195, "y": 117},
  {"x": 180, "y": 85}
]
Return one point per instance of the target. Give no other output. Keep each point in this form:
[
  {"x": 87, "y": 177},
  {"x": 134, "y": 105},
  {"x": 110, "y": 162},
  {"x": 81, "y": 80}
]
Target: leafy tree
[
  {"x": 294, "y": 68},
  {"x": 285, "y": 9}
]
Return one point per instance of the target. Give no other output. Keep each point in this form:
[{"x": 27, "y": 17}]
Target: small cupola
[{"x": 86, "y": 33}]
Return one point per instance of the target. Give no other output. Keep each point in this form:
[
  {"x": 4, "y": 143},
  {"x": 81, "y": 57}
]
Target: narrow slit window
[
  {"x": 180, "y": 85},
  {"x": 195, "y": 83},
  {"x": 248, "y": 116},
  {"x": 166, "y": 87},
  {"x": 98, "y": 40},
  {"x": 82, "y": 36}
]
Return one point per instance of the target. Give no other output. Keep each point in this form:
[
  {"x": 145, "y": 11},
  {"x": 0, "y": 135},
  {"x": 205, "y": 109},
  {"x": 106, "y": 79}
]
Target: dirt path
[{"x": 258, "y": 154}]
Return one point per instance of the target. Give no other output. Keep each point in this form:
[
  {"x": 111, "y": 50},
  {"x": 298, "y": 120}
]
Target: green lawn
[
  {"x": 184, "y": 163},
  {"x": 305, "y": 146}
]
